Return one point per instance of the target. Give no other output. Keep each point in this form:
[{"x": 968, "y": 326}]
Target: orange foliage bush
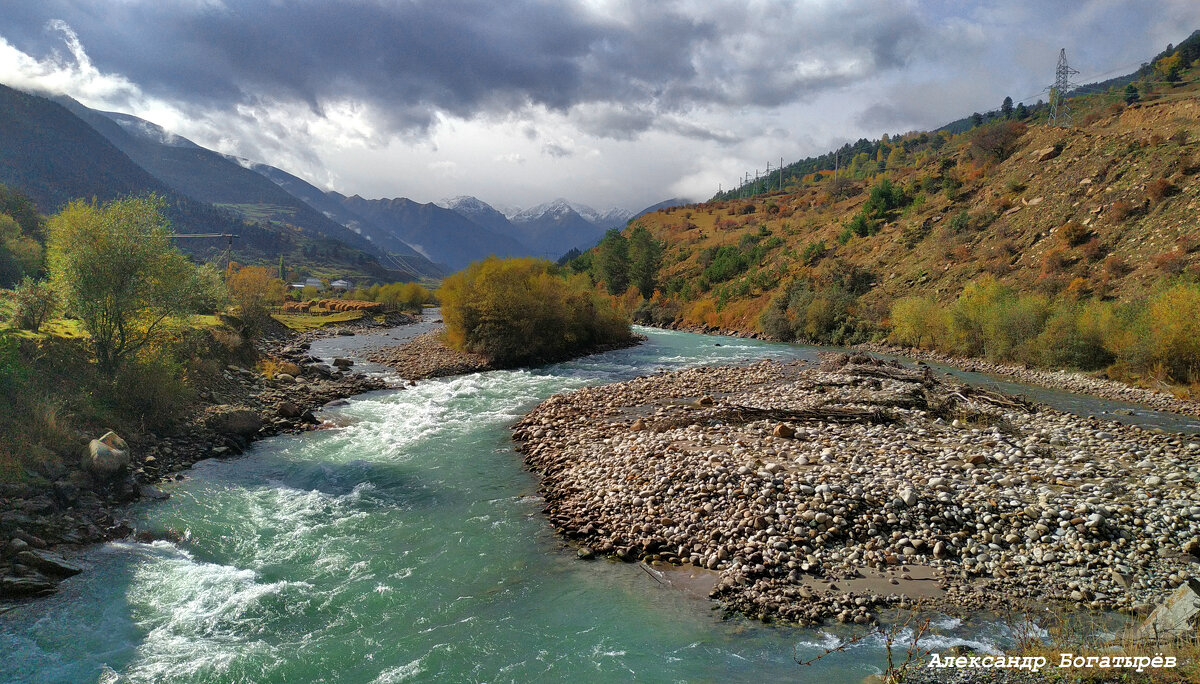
[{"x": 349, "y": 305}]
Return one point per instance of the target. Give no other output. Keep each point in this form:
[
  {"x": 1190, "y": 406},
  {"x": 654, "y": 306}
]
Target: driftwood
[
  {"x": 976, "y": 395},
  {"x": 740, "y": 415}
]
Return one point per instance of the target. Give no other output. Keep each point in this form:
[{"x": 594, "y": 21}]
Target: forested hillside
[{"x": 1045, "y": 221}]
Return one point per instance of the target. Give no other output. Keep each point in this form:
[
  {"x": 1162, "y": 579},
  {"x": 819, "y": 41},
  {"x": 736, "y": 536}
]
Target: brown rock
[
  {"x": 784, "y": 430},
  {"x": 230, "y": 420}
]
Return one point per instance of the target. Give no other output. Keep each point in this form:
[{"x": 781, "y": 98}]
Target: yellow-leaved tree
[
  {"x": 517, "y": 311},
  {"x": 118, "y": 273}
]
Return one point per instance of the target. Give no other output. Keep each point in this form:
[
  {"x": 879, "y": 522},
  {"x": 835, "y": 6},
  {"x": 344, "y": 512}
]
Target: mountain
[
  {"x": 555, "y": 227},
  {"x": 483, "y": 214},
  {"x": 332, "y": 205},
  {"x": 441, "y": 235},
  {"x": 52, "y": 155},
  {"x": 665, "y": 204},
  {"x": 208, "y": 176}
]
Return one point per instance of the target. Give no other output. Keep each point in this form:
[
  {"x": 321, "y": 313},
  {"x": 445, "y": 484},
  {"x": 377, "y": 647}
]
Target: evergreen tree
[
  {"x": 1021, "y": 111},
  {"x": 976, "y": 119},
  {"x": 1006, "y": 108},
  {"x": 612, "y": 262},
  {"x": 644, "y": 255},
  {"x": 1131, "y": 94}
]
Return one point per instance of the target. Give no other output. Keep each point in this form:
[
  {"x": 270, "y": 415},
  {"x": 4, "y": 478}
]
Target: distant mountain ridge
[
  {"x": 52, "y": 155},
  {"x": 129, "y": 155}
]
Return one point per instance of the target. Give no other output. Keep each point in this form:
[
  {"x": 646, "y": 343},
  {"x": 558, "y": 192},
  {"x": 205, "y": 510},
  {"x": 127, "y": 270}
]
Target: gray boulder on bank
[
  {"x": 107, "y": 456},
  {"x": 1179, "y": 616}
]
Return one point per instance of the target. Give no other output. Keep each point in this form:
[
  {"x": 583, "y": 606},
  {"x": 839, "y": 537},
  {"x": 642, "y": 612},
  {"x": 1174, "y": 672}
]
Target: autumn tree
[
  {"x": 117, "y": 271},
  {"x": 254, "y": 289},
  {"x": 997, "y": 141},
  {"x": 516, "y": 311}
]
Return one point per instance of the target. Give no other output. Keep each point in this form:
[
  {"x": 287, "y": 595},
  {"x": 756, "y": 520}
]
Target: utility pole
[
  {"x": 1060, "y": 111},
  {"x": 781, "y": 174}
]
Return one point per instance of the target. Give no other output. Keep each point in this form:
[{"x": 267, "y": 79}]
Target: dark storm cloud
[{"x": 415, "y": 60}]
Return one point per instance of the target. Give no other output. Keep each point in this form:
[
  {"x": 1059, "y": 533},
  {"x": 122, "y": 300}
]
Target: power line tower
[{"x": 1060, "y": 111}]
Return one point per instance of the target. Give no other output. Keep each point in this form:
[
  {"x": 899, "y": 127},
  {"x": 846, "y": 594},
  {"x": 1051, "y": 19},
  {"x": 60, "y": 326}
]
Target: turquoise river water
[{"x": 407, "y": 545}]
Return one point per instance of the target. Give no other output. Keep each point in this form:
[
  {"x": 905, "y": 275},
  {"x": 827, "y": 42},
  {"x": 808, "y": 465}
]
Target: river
[{"x": 408, "y": 545}]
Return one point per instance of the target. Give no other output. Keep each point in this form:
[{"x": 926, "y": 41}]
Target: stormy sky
[{"x": 607, "y": 102}]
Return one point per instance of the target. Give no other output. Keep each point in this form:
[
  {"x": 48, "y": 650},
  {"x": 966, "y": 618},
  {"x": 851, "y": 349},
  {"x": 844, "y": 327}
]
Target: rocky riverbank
[
  {"x": 832, "y": 491},
  {"x": 428, "y": 357},
  {"x": 1160, "y": 399},
  {"x": 73, "y": 504}
]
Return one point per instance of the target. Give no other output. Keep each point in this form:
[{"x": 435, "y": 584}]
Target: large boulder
[
  {"x": 107, "y": 456},
  {"x": 1178, "y": 616},
  {"x": 22, "y": 587},
  {"x": 232, "y": 420},
  {"x": 49, "y": 563}
]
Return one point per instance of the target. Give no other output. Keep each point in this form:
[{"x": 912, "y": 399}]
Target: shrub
[
  {"x": 1074, "y": 234},
  {"x": 1165, "y": 333},
  {"x": 861, "y": 226},
  {"x": 35, "y": 301},
  {"x": 918, "y": 322},
  {"x": 1159, "y": 189},
  {"x": 817, "y": 314},
  {"x": 1093, "y": 249},
  {"x": 152, "y": 388},
  {"x": 522, "y": 310},
  {"x": 272, "y": 367},
  {"x": 1119, "y": 211},
  {"x": 406, "y": 296},
  {"x": 1171, "y": 262},
  {"x": 1055, "y": 260},
  {"x": 723, "y": 263},
  {"x": 1116, "y": 267},
  {"x": 813, "y": 252},
  {"x": 989, "y": 319},
  {"x": 1078, "y": 335},
  {"x": 959, "y": 222}
]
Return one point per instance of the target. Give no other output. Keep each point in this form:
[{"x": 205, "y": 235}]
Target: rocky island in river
[{"x": 832, "y": 491}]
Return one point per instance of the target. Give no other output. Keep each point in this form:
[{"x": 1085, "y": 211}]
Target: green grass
[
  {"x": 304, "y": 323},
  {"x": 260, "y": 212}
]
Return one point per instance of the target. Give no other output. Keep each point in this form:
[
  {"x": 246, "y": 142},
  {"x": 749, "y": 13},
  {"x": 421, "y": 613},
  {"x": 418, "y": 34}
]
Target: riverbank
[
  {"x": 428, "y": 357},
  {"x": 835, "y": 491},
  {"x": 1071, "y": 381},
  {"x": 72, "y": 504}
]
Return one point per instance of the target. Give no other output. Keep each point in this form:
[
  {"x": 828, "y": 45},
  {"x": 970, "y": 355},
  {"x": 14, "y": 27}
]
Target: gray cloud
[
  {"x": 414, "y": 61},
  {"x": 556, "y": 150},
  {"x": 604, "y": 98}
]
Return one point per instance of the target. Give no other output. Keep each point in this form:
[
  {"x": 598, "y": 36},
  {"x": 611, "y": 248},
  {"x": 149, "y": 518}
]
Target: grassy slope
[{"x": 1112, "y": 158}]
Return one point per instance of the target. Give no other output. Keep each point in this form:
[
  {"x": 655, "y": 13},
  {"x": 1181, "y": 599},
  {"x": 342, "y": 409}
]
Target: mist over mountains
[{"x": 45, "y": 137}]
